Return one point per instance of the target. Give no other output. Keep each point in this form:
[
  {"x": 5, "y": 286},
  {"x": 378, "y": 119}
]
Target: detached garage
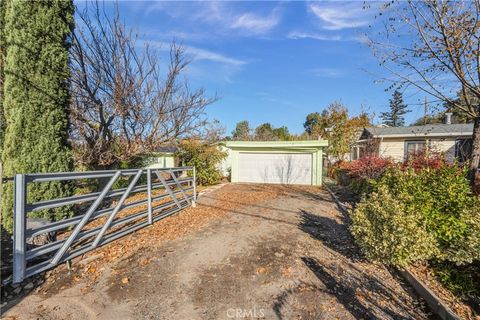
[{"x": 281, "y": 162}]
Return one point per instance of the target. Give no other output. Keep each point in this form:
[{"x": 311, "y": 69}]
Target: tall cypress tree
[
  {"x": 37, "y": 35},
  {"x": 2, "y": 74},
  {"x": 396, "y": 116}
]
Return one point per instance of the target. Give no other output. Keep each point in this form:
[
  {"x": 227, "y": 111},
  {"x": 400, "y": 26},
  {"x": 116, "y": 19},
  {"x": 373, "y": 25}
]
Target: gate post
[
  {"x": 149, "y": 193},
  {"x": 19, "y": 247},
  {"x": 194, "y": 202}
]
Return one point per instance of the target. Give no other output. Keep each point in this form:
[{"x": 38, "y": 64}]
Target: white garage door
[{"x": 282, "y": 168}]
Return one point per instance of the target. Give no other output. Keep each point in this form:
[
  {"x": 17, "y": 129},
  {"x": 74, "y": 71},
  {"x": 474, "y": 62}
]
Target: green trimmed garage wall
[{"x": 313, "y": 147}]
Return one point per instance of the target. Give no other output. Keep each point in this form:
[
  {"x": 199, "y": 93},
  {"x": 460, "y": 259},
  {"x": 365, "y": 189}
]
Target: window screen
[{"x": 414, "y": 147}]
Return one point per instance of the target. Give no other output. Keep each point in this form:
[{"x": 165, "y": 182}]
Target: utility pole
[{"x": 425, "y": 111}]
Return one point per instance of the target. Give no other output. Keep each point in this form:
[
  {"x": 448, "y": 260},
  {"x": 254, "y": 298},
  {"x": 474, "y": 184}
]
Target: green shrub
[
  {"x": 437, "y": 203},
  {"x": 455, "y": 215},
  {"x": 387, "y": 230},
  {"x": 361, "y": 187},
  {"x": 205, "y": 157},
  {"x": 461, "y": 280}
]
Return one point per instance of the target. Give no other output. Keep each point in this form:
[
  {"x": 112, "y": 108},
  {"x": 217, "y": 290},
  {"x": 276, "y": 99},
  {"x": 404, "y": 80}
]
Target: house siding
[
  {"x": 392, "y": 148},
  {"x": 395, "y": 148},
  {"x": 225, "y": 166},
  {"x": 447, "y": 146}
]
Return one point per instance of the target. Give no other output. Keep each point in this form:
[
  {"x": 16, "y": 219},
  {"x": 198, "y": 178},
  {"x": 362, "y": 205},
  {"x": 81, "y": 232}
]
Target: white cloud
[
  {"x": 326, "y": 37},
  {"x": 175, "y": 35},
  {"x": 256, "y": 24},
  {"x": 223, "y": 16},
  {"x": 265, "y": 96},
  {"x": 202, "y": 54},
  {"x": 315, "y": 36},
  {"x": 153, "y": 6},
  {"x": 218, "y": 68},
  {"x": 210, "y": 12},
  {"x": 327, "y": 72},
  {"x": 338, "y": 16}
]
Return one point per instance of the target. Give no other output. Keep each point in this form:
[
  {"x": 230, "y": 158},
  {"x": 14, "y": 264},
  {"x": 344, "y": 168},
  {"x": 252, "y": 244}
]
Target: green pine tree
[
  {"x": 242, "y": 131},
  {"x": 264, "y": 132},
  {"x": 312, "y": 121},
  {"x": 282, "y": 133},
  {"x": 396, "y": 116},
  {"x": 37, "y": 34}
]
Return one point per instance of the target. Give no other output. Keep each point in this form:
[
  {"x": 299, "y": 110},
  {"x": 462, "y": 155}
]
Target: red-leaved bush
[
  {"x": 426, "y": 160},
  {"x": 368, "y": 167}
]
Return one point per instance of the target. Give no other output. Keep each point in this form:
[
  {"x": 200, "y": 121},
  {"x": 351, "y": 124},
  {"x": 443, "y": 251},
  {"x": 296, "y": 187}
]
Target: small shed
[
  {"x": 279, "y": 162},
  {"x": 164, "y": 157}
]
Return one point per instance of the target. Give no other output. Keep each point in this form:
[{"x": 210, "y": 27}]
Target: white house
[{"x": 454, "y": 140}]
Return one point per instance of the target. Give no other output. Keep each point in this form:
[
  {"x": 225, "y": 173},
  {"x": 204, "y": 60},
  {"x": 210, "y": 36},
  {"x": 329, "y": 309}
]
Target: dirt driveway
[{"x": 268, "y": 252}]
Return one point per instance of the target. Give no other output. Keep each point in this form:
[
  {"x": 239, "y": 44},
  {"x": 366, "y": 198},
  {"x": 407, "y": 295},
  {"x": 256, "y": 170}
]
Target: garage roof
[{"x": 277, "y": 144}]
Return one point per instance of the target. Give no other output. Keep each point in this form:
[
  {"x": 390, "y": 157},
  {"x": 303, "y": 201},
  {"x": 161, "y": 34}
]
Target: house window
[
  {"x": 414, "y": 147},
  {"x": 361, "y": 152},
  {"x": 354, "y": 153},
  {"x": 463, "y": 149},
  {"x": 358, "y": 152}
]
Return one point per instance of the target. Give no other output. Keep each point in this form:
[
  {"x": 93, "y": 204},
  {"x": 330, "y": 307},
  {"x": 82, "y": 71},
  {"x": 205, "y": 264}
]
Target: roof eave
[
  {"x": 420, "y": 134},
  {"x": 277, "y": 144}
]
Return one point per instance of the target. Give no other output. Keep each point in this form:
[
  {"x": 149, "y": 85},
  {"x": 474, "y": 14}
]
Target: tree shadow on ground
[
  {"x": 348, "y": 293},
  {"x": 344, "y": 194},
  {"x": 12, "y": 294},
  {"x": 332, "y": 234},
  {"x": 244, "y": 204},
  {"x": 309, "y": 193},
  {"x": 355, "y": 292},
  {"x": 259, "y": 216},
  {"x": 362, "y": 288}
]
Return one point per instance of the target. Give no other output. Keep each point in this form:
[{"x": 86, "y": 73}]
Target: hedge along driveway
[{"x": 261, "y": 251}]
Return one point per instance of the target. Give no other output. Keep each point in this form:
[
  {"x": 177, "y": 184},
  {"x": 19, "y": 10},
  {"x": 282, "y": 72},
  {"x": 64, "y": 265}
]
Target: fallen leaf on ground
[{"x": 261, "y": 270}]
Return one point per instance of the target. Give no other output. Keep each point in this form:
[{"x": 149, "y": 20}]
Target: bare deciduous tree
[
  {"x": 122, "y": 106},
  {"x": 433, "y": 46}
]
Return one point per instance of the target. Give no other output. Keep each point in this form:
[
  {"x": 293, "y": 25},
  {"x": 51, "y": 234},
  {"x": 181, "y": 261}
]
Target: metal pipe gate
[{"x": 102, "y": 218}]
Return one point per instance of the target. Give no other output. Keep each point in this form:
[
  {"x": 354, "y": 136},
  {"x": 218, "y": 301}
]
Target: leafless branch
[
  {"x": 435, "y": 39},
  {"x": 122, "y": 106}
]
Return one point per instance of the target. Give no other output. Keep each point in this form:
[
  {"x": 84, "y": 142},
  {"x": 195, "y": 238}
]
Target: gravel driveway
[{"x": 272, "y": 252}]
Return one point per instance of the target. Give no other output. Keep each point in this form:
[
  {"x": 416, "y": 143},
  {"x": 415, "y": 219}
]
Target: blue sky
[{"x": 272, "y": 61}]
